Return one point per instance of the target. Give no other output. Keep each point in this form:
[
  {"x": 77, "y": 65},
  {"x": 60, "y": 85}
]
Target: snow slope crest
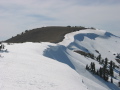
[{"x": 89, "y": 33}]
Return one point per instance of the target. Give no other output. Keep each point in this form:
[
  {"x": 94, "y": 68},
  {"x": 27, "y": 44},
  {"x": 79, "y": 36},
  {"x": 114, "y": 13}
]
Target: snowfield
[
  {"x": 47, "y": 66},
  {"x": 25, "y": 68}
]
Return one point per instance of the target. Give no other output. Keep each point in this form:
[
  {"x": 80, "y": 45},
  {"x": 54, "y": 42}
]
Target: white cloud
[{"x": 19, "y": 15}]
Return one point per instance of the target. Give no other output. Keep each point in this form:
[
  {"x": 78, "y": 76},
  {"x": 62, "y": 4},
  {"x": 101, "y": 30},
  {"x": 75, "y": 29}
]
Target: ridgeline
[{"x": 53, "y": 34}]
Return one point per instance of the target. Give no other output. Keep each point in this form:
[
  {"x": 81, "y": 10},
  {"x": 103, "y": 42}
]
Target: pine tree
[
  {"x": 106, "y": 61},
  {"x": 93, "y": 67},
  {"x": 111, "y": 69},
  {"x": 111, "y": 80},
  {"x": 104, "y": 70},
  {"x": 1, "y": 46},
  {"x": 111, "y": 64},
  {"x": 105, "y": 73},
  {"x": 100, "y": 72},
  {"x": 97, "y": 72},
  {"x": 111, "y": 72},
  {"x": 87, "y": 66},
  {"x": 102, "y": 61},
  {"x": 98, "y": 58}
]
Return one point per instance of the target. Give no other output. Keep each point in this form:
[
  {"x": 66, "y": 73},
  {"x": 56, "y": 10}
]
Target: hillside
[
  {"x": 88, "y": 41},
  {"x": 53, "y": 34},
  {"x": 60, "y": 66},
  {"x": 24, "y": 67}
]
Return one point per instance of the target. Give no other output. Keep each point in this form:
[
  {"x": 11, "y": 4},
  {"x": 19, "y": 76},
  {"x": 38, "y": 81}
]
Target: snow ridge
[
  {"x": 88, "y": 41},
  {"x": 48, "y": 66}
]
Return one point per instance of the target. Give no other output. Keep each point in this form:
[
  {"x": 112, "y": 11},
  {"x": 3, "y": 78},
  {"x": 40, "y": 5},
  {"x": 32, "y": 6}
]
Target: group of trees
[
  {"x": 105, "y": 71},
  {"x": 91, "y": 67},
  {"x": 89, "y": 55}
]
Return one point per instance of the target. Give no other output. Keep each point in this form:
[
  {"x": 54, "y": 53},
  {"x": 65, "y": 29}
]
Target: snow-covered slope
[
  {"x": 25, "y": 68},
  {"x": 87, "y": 41},
  {"x": 46, "y": 66}
]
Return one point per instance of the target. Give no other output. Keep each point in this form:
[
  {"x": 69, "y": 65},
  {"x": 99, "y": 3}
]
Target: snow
[
  {"x": 87, "y": 41},
  {"x": 48, "y": 66},
  {"x": 25, "y": 68}
]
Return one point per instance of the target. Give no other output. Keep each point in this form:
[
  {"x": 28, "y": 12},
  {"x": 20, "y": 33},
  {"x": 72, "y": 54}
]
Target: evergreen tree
[
  {"x": 1, "y": 46},
  {"x": 93, "y": 67},
  {"x": 111, "y": 64},
  {"x": 97, "y": 72},
  {"x": 104, "y": 70},
  {"x": 111, "y": 80},
  {"x": 102, "y": 61},
  {"x": 87, "y": 66},
  {"x": 106, "y": 61},
  {"x": 111, "y": 69},
  {"x": 105, "y": 73},
  {"x": 111, "y": 72},
  {"x": 99, "y": 58}
]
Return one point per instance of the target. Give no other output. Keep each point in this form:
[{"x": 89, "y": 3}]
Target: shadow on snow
[{"x": 58, "y": 53}]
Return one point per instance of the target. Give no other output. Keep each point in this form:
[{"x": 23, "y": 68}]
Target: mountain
[
  {"x": 53, "y": 34},
  {"x": 61, "y": 66}
]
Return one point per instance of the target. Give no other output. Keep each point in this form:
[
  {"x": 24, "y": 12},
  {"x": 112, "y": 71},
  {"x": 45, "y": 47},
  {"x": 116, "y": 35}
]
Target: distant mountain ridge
[{"x": 53, "y": 34}]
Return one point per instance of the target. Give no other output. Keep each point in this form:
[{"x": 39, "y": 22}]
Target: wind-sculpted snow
[
  {"x": 110, "y": 34},
  {"x": 80, "y": 37},
  {"x": 77, "y": 46},
  {"x": 58, "y": 53},
  {"x": 88, "y": 41},
  {"x": 92, "y": 36}
]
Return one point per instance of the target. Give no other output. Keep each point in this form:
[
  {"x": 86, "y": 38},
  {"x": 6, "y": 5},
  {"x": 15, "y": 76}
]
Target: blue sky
[{"x": 17, "y": 16}]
